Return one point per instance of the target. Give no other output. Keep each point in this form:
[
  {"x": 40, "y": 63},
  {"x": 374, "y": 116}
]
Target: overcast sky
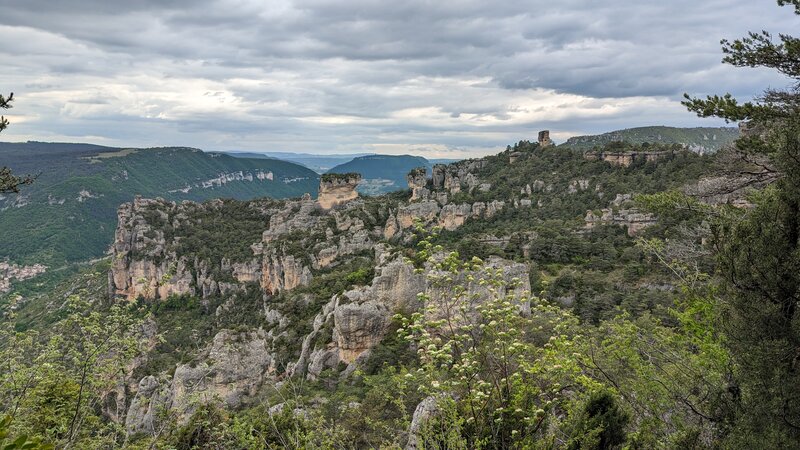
[{"x": 436, "y": 78}]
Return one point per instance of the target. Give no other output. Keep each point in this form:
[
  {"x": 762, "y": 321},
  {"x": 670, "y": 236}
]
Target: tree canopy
[{"x": 10, "y": 183}]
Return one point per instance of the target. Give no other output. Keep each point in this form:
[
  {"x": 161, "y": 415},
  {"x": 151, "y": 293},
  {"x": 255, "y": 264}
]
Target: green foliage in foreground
[{"x": 58, "y": 386}]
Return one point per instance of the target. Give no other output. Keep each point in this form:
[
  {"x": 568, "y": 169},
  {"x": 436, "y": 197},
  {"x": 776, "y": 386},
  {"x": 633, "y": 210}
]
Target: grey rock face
[
  {"x": 426, "y": 409},
  {"x": 233, "y": 367},
  {"x": 359, "y": 327},
  {"x": 153, "y": 397}
]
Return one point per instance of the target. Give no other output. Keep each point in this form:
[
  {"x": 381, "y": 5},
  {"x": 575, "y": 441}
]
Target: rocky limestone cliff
[
  {"x": 453, "y": 177},
  {"x": 417, "y": 182},
  {"x": 428, "y": 212},
  {"x": 336, "y": 189},
  {"x": 281, "y": 272},
  {"x": 620, "y": 213},
  {"x": 230, "y": 371},
  {"x": 360, "y": 317},
  {"x": 626, "y": 158},
  {"x": 234, "y": 365},
  {"x": 140, "y": 265}
]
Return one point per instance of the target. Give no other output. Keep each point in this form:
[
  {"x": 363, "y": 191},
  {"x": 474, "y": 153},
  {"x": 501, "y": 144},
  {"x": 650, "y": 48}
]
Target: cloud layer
[{"x": 454, "y": 78}]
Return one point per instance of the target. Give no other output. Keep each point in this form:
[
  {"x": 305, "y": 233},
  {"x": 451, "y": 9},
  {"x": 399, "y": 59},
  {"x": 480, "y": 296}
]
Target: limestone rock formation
[
  {"x": 515, "y": 277},
  {"x": 281, "y": 272},
  {"x": 336, "y": 189},
  {"x": 453, "y": 177},
  {"x": 544, "y": 139},
  {"x": 140, "y": 266},
  {"x": 153, "y": 397},
  {"x": 425, "y": 410},
  {"x": 359, "y": 327},
  {"x": 360, "y": 317},
  {"x": 417, "y": 182},
  {"x": 634, "y": 220},
  {"x": 626, "y": 158},
  {"x": 232, "y": 368},
  {"x": 449, "y": 216}
]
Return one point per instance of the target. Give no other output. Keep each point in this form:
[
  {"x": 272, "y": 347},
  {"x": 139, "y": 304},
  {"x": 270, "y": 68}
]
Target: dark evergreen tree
[
  {"x": 600, "y": 425},
  {"x": 10, "y": 183},
  {"x": 758, "y": 249}
]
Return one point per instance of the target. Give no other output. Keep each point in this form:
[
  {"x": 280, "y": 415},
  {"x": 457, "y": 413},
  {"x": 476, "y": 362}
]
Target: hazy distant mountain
[
  {"x": 700, "y": 140},
  {"x": 382, "y": 173},
  {"x": 442, "y": 160},
  {"x": 317, "y": 163},
  {"x": 69, "y": 213}
]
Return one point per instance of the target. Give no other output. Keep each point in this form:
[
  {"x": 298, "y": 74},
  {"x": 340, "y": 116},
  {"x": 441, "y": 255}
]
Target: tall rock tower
[
  {"x": 335, "y": 189},
  {"x": 544, "y": 139}
]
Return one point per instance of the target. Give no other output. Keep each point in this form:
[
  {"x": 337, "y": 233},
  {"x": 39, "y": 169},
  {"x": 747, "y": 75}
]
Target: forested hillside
[
  {"x": 317, "y": 163},
  {"x": 69, "y": 213},
  {"x": 700, "y": 140}
]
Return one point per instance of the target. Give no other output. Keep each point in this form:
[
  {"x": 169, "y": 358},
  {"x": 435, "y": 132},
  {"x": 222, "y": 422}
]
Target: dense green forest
[
  {"x": 69, "y": 214},
  {"x": 701, "y": 139}
]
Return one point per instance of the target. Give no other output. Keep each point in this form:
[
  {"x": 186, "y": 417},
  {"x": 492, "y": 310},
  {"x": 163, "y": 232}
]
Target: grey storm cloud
[{"x": 366, "y": 75}]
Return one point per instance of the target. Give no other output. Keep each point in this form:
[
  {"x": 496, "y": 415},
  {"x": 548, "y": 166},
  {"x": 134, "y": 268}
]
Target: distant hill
[
  {"x": 443, "y": 160},
  {"x": 69, "y": 213},
  {"x": 317, "y": 163},
  {"x": 382, "y": 173},
  {"x": 699, "y": 140}
]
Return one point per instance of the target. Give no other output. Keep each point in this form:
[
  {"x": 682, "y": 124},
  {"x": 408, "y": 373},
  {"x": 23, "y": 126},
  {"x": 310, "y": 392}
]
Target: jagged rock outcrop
[
  {"x": 544, "y": 139},
  {"x": 622, "y": 213},
  {"x": 634, "y": 220},
  {"x": 515, "y": 277},
  {"x": 453, "y": 216},
  {"x": 281, "y": 272},
  {"x": 625, "y": 159},
  {"x": 425, "y": 410},
  {"x": 141, "y": 266},
  {"x": 359, "y": 327},
  {"x": 417, "y": 182},
  {"x": 358, "y": 240},
  {"x": 449, "y": 216},
  {"x": 247, "y": 272},
  {"x": 361, "y": 316},
  {"x": 232, "y": 368},
  {"x": 426, "y": 212},
  {"x": 153, "y": 398},
  {"x": 451, "y": 177},
  {"x": 336, "y": 189},
  {"x": 578, "y": 185},
  {"x": 295, "y": 215}
]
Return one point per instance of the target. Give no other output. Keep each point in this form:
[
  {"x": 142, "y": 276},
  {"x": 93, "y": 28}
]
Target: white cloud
[{"x": 447, "y": 78}]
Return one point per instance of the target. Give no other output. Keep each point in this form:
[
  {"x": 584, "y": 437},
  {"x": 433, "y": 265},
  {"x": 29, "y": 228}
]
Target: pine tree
[
  {"x": 10, "y": 183},
  {"x": 758, "y": 249}
]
